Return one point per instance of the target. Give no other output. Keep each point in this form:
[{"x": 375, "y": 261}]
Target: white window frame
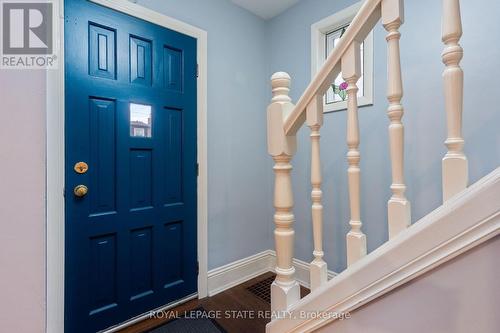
[{"x": 319, "y": 31}]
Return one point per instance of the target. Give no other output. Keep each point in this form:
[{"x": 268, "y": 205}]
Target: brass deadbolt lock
[
  {"x": 81, "y": 167},
  {"x": 80, "y": 191}
]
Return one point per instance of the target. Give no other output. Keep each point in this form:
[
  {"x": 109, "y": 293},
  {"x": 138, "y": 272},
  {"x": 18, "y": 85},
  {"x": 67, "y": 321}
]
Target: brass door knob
[
  {"x": 80, "y": 191},
  {"x": 81, "y": 167}
]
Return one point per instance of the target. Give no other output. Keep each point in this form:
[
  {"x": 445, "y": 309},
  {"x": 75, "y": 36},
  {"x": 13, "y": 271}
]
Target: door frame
[{"x": 55, "y": 159}]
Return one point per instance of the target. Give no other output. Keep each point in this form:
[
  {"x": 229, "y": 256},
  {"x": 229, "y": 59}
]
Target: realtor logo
[
  {"x": 28, "y": 34},
  {"x": 27, "y": 28}
]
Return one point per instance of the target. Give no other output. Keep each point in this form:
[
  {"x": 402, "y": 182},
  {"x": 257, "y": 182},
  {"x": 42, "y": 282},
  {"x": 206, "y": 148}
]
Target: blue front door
[{"x": 130, "y": 166}]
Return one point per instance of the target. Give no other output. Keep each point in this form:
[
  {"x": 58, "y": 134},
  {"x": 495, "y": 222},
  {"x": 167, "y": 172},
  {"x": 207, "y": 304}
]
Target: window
[
  {"x": 140, "y": 120},
  {"x": 325, "y": 35}
]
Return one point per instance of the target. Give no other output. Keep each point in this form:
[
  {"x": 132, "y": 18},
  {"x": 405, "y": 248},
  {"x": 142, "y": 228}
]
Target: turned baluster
[
  {"x": 454, "y": 165},
  {"x": 399, "y": 210},
  {"x": 351, "y": 71},
  {"x": 318, "y": 267},
  {"x": 285, "y": 290}
]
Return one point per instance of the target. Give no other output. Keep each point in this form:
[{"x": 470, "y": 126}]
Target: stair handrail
[{"x": 364, "y": 22}]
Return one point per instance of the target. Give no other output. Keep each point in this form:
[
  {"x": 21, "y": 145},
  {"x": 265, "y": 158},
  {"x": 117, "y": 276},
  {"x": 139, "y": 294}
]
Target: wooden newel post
[
  {"x": 455, "y": 166},
  {"x": 399, "y": 210},
  {"x": 285, "y": 291},
  {"x": 318, "y": 268},
  {"x": 351, "y": 71}
]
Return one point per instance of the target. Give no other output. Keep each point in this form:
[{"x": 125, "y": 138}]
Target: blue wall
[
  {"x": 244, "y": 50},
  {"x": 239, "y": 177},
  {"x": 289, "y": 46}
]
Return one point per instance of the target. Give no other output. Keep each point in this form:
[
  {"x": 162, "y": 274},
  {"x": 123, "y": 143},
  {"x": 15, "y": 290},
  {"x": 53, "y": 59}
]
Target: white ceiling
[{"x": 266, "y": 8}]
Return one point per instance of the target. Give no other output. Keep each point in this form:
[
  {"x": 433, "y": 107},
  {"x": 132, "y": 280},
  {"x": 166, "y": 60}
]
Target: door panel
[
  {"x": 173, "y": 243},
  {"x": 102, "y": 156},
  {"x": 172, "y": 59},
  {"x": 103, "y": 275},
  {"x": 131, "y": 116},
  {"x": 141, "y": 183},
  {"x": 140, "y": 61},
  {"x": 173, "y": 169},
  {"x": 141, "y": 263},
  {"x": 102, "y": 53}
]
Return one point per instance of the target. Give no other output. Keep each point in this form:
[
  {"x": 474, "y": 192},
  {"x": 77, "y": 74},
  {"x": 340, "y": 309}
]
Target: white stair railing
[
  {"x": 318, "y": 268},
  {"x": 398, "y": 206},
  {"x": 284, "y": 290},
  {"x": 455, "y": 170},
  {"x": 285, "y": 119},
  {"x": 351, "y": 72}
]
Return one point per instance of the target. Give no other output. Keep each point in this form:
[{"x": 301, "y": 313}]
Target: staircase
[{"x": 468, "y": 216}]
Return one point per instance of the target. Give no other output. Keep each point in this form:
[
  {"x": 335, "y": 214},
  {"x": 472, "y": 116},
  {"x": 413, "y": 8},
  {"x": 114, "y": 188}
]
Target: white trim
[
  {"x": 237, "y": 272},
  {"x": 319, "y": 30},
  {"x": 466, "y": 220},
  {"x": 55, "y": 160},
  {"x": 55, "y": 188}
]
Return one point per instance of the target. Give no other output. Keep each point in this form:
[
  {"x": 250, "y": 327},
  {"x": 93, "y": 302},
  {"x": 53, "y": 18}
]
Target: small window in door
[{"x": 140, "y": 120}]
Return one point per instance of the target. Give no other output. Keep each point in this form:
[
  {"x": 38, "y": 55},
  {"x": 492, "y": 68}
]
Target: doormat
[
  {"x": 262, "y": 289},
  {"x": 194, "y": 321}
]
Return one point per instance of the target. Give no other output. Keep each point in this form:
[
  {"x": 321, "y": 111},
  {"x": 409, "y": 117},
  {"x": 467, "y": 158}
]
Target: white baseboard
[
  {"x": 237, "y": 272},
  {"x": 232, "y": 274}
]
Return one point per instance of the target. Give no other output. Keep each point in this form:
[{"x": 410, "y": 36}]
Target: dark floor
[{"x": 235, "y": 303}]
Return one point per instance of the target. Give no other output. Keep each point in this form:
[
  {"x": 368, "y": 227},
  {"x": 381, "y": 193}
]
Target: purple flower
[{"x": 343, "y": 86}]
